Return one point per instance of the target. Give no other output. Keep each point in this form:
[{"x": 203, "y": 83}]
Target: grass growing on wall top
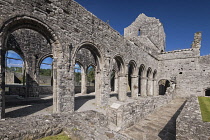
[
  {"x": 205, "y": 108},
  {"x": 61, "y": 136}
]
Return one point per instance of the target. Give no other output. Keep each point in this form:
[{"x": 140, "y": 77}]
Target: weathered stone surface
[
  {"x": 189, "y": 124},
  {"x": 129, "y": 113},
  {"x": 160, "y": 124},
  {"x": 86, "y": 125},
  {"x": 69, "y": 33}
]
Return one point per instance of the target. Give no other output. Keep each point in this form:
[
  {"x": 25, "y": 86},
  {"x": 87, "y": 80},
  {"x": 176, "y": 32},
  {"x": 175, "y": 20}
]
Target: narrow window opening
[{"x": 139, "y": 32}]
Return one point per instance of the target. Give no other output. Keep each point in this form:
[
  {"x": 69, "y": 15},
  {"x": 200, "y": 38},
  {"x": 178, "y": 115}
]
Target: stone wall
[
  {"x": 189, "y": 124},
  {"x": 122, "y": 115},
  {"x": 84, "y": 125},
  {"x": 190, "y": 69},
  {"x": 21, "y": 89},
  {"x": 61, "y": 29}
]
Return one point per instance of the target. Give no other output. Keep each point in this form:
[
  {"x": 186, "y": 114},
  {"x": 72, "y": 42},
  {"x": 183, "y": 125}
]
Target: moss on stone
[
  {"x": 61, "y": 136},
  {"x": 205, "y": 108}
]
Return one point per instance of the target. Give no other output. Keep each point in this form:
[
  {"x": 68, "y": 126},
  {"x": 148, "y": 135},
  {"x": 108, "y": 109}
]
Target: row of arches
[{"x": 142, "y": 80}]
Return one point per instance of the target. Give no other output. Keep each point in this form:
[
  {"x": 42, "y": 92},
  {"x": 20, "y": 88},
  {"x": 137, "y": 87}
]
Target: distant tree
[
  {"x": 91, "y": 75},
  {"x": 45, "y": 72},
  {"x": 14, "y": 69}
]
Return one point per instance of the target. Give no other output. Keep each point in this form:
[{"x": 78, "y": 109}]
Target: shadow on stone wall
[{"x": 169, "y": 131}]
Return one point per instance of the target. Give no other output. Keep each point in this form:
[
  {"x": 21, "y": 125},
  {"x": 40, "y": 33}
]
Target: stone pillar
[
  {"x": 98, "y": 87},
  {"x": 150, "y": 87},
  {"x": 155, "y": 88},
  {"x": 83, "y": 82},
  {"x": 134, "y": 86},
  {"x": 143, "y": 86},
  {"x": 122, "y": 90},
  {"x": 116, "y": 84},
  {"x": 55, "y": 93},
  {"x": 2, "y": 82},
  {"x": 102, "y": 87},
  {"x": 63, "y": 79}
]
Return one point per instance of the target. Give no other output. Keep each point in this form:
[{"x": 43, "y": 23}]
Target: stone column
[
  {"x": 155, "y": 88},
  {"x": 116, "y": 84},
  {"x": 150, "y": 87},
  {"x": 55, "y": 93},
  {"x": 83, "y": 82},
  {"x": 122, "y": 90},
  {"x": 102, "y": 87},
  {"x": 63, "y": 79},
  {"x": 98, "y": 87},
  {"x": 2, "y": 82},
  {"x": 134, "y": 86},
  {"x": 143, "y": 86}
]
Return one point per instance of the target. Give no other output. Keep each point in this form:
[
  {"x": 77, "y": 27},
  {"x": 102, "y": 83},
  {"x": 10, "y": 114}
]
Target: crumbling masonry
[{"x": 66, "y": 31}]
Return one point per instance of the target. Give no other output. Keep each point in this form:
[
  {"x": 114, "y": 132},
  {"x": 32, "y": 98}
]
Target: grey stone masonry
[
  {"x": 189, "y": 124},
  {"x": 87, "y": 125},
  {"x": 36, "y": 29}
]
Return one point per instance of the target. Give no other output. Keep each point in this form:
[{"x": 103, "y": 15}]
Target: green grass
[
  {"x": 61, "y": 136},
  {"x": 205, "y": 108}
]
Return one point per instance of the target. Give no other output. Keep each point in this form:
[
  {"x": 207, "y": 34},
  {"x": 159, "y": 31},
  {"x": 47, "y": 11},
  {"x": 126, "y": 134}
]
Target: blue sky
[
  {"x": 180, "y": 18},
  {"x": 12, "y": 62},
  {"x": 19, "y": 63}
]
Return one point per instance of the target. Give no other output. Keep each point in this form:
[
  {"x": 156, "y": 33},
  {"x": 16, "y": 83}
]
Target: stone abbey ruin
[{"x": 134, "y": 68}]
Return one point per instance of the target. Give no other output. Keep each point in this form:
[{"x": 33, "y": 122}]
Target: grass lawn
[
  {"x": 61, "y": 136},
  {"x": 205, "y": 108}
]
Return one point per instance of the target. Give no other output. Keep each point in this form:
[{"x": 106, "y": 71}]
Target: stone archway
[
  {"x": 142, "y": 81},
  {"x": 133, "y": 78},
  {"x": 95, "y": 52},
  {"x": 30, "y": 24},
  {"x": 163, "y": 85},
  {"x": 121, "y": 81}
]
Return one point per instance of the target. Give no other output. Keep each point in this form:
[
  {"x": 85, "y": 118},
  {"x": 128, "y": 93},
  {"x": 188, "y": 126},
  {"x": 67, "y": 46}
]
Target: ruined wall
[
  {"x": 32, "y": 47},
  {"x": 189, "y": 124},
  {"x": 147, "y": 33},
  {"x": 191, "y": 71},
  {"x": 124, "y": 115},
  {"x": 67, "y": 26}
]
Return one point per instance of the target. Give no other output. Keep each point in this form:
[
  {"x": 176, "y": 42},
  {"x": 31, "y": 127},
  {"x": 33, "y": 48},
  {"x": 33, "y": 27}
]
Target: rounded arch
[
  {"x": 142, "y": 70},
  {"x": 94, "y": 51},
  {"x": 24, "y": 21},
  {"x": 29, "y": 22},
  {"x": 133, "y": 66},
  {"x": 90, "y": 65},
  {"x": 155, "y": 74},
  {"x": 45, "y": 71},
  {"x": 120, "y": 63},
  {"x": 163, "y": 85},
  {"x": 42, "y": 58},
  {"x": 80, "y": 64},
  {"x": 149, "y": 73}
]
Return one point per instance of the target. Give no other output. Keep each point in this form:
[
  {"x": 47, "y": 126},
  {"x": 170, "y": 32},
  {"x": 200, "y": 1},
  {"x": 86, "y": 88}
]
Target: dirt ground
[{"x": 19, "y": 107}]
